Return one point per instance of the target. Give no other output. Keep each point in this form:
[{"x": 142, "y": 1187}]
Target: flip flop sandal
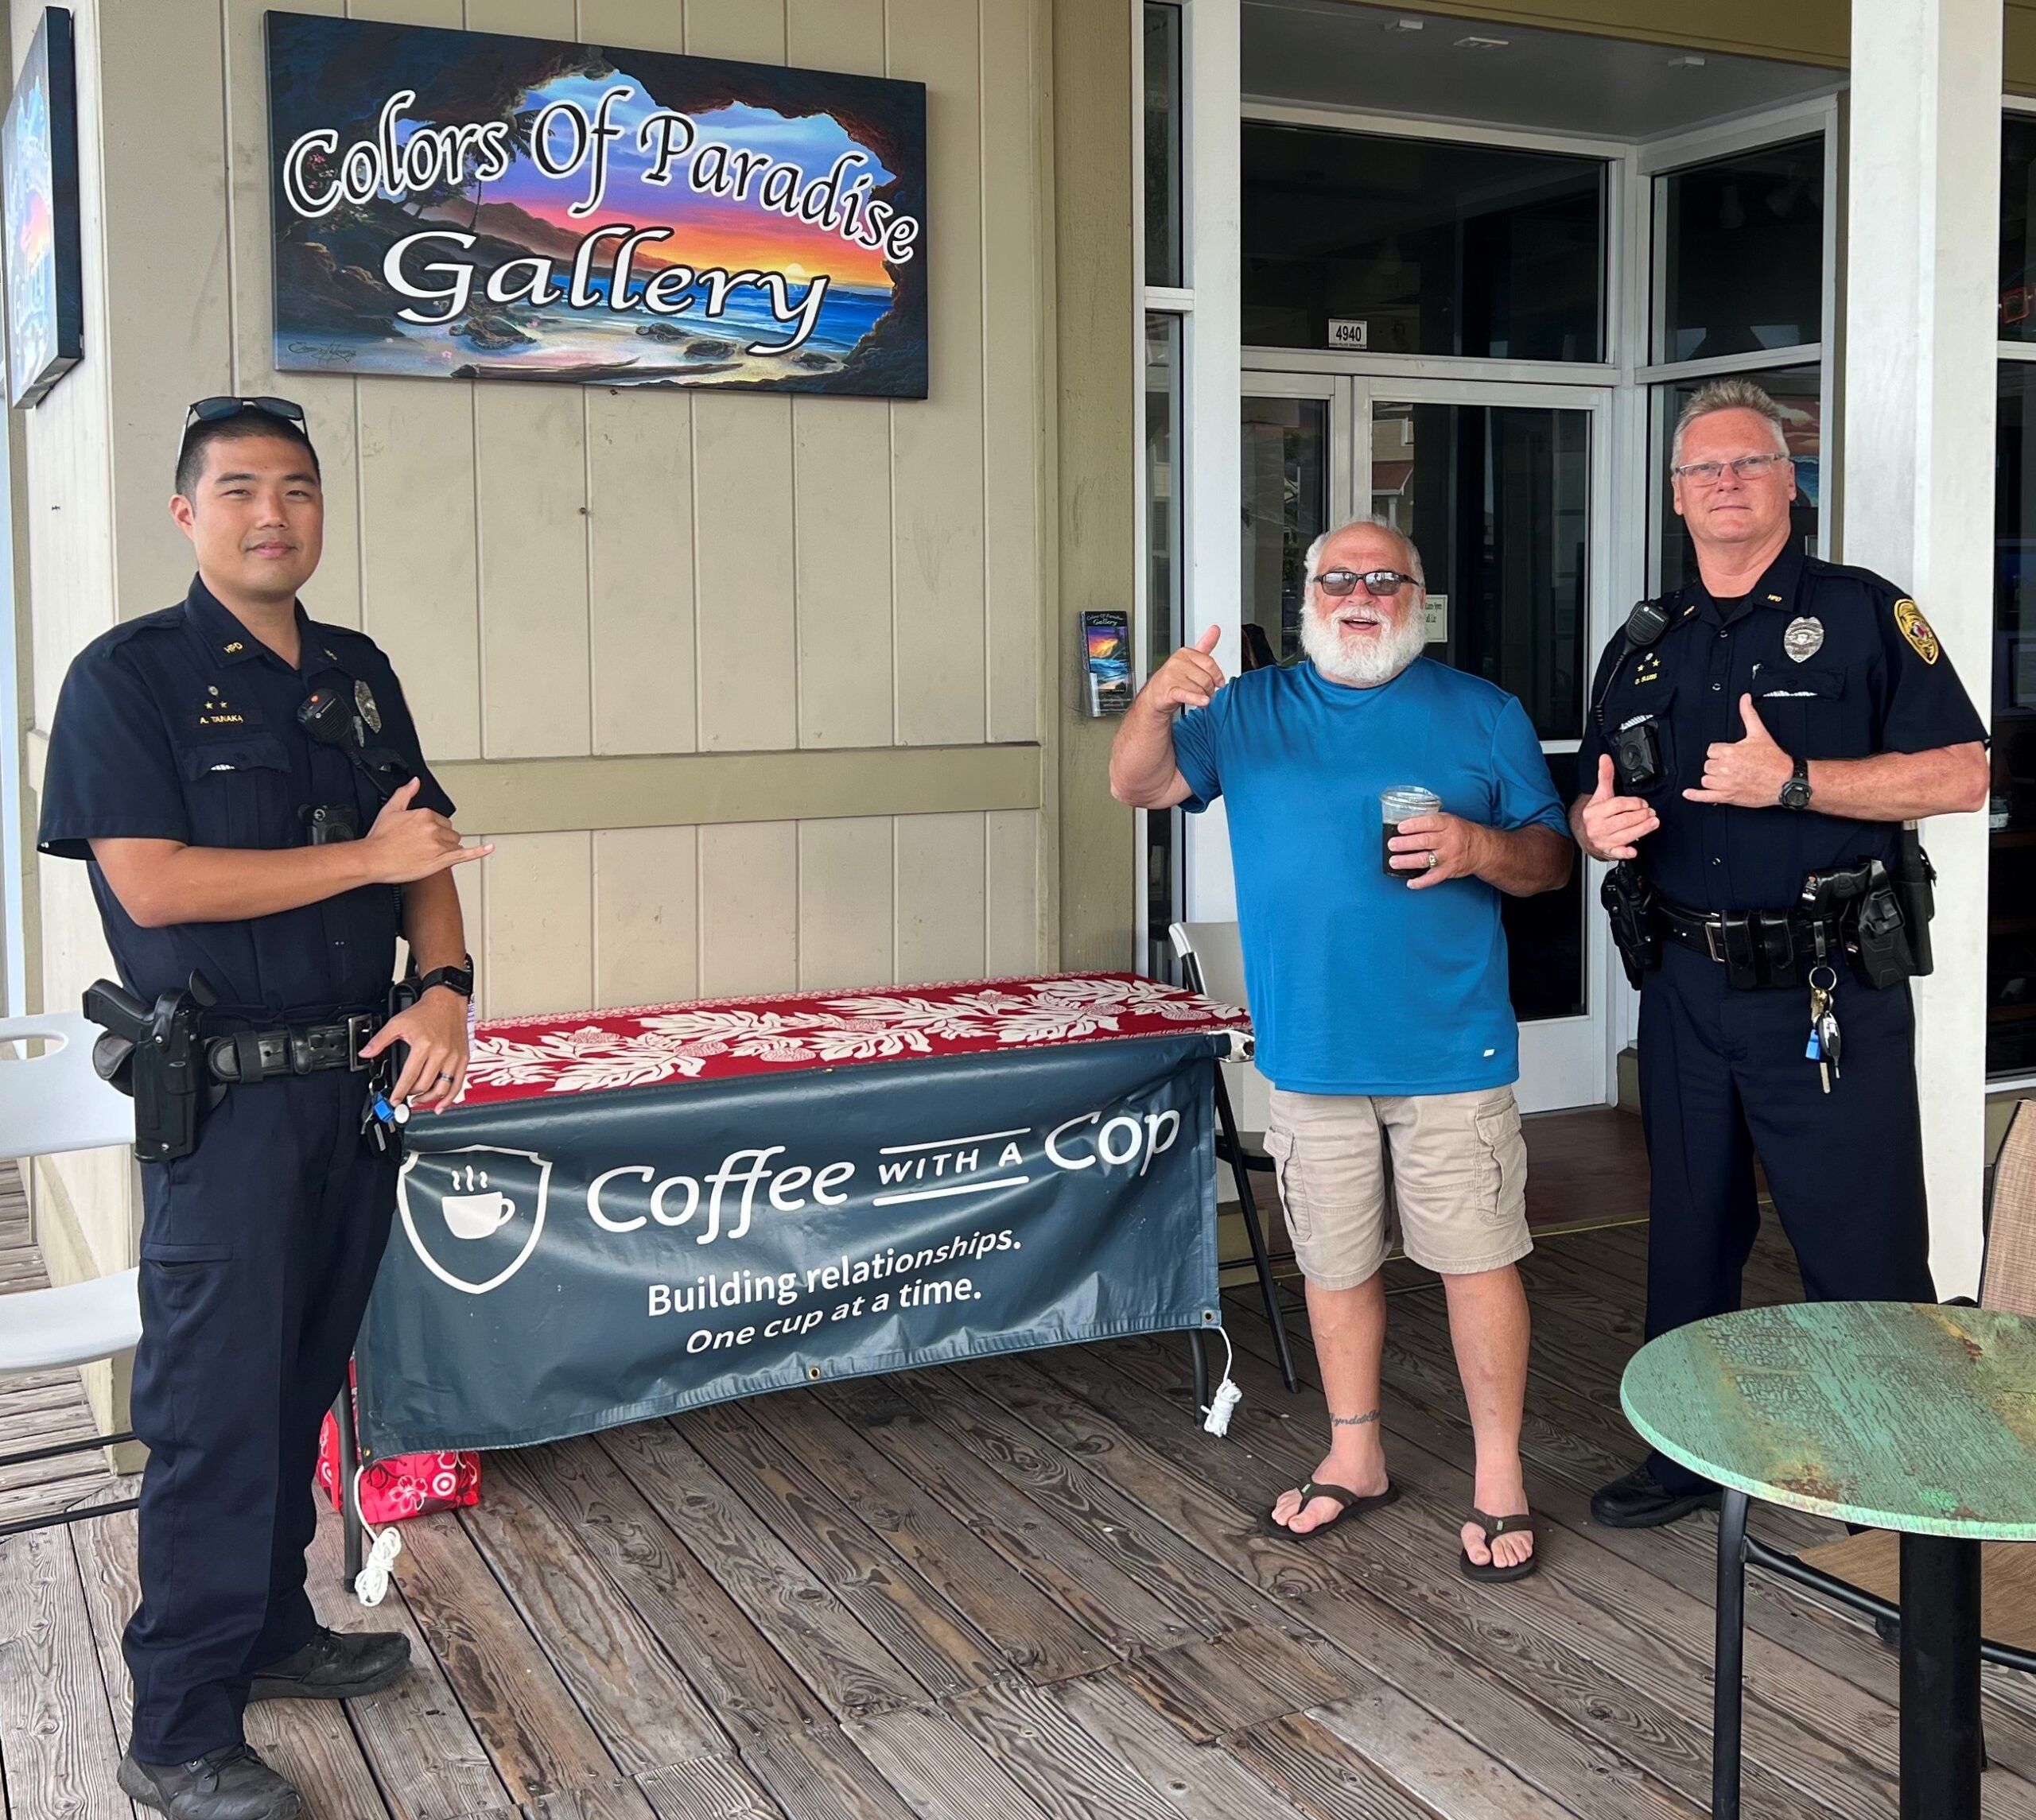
[
  {"x": 1347, "y": 1501},
  {"x": 1522, "y": 1522}
]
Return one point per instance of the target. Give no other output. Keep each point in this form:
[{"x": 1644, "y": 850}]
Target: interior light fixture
[
  {"x": 1475, "y": 43},
  {"x": 1406, "y": 25},
  {"x": 1686, "y": 62}
]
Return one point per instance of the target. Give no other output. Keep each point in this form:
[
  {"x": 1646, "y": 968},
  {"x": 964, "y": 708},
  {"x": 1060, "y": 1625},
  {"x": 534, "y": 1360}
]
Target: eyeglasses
[
  {"x": 217, "y": 410},
  {"x": 1706, "y": 473},
  {"x": 1380, "y": 584}
]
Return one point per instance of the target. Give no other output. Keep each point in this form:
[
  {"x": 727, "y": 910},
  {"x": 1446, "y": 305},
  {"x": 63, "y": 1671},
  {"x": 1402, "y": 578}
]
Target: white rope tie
[
  {"x": 370, "y": 1584},
  {"x": 1227, "y": 1397}
]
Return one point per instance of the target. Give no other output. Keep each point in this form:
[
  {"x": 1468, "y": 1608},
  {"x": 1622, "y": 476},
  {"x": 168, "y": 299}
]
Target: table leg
[
  {"x": 1940, "y": 1749},
  {"x": 1728, "y": 1659},
  {"x": 348, "y": 1463}
]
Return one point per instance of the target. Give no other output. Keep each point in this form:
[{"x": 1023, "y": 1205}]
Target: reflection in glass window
[
  {"x": 1162, "y": 260},
  {"x": 1164, "y": 900},
  {"x": 2018, "y": 297},
  {"x": 2011, "y": 871},
  {"x": 1286, "y": 508},
  {"x": 1796, "y": 390},
  {"x": 1739, "y": 247},
  {"x": 1430, "y": 248},
  {"x": 1498, "y": 501}
]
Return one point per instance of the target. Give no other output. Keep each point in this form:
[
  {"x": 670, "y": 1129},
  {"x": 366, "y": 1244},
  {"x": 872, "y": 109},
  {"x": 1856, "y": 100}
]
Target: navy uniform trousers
[
  {"x": 258, "y": 1253},
  {"x": 1722, "y": 1075}
]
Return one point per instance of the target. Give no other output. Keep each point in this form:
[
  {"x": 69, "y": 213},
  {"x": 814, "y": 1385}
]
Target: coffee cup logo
[{"x": 473, "y": 1216}]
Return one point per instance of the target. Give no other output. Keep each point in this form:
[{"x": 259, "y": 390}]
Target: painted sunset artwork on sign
[{"x": 466, "y": 205}]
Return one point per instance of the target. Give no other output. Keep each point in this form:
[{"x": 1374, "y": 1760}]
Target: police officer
[
  {"x": 1780, "y": 717},
  {"x": 214, "y": 808}
]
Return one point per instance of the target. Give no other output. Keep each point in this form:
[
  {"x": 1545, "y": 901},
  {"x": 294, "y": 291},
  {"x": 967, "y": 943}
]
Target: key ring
[{"x": 1824, "y": 967}]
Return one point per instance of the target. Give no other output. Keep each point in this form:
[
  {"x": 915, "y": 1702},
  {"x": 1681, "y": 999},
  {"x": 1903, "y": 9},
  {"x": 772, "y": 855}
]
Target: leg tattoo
[{"x": 1353, "y": 1421}]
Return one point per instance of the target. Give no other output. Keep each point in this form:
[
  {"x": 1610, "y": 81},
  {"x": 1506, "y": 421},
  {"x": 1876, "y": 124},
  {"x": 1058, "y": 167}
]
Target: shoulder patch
[{"x": 1910, "y": 621}]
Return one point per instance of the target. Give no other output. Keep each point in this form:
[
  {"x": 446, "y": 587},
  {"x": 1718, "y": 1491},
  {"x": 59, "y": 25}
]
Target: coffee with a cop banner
[{"x": 561, "y": 1267}]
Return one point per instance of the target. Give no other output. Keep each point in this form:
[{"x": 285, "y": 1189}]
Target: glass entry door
[{"x": 1500, "y": 486}]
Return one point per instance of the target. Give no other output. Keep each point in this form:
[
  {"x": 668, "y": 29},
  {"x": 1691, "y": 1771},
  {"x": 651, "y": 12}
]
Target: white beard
[{"x": 1364, "y": 666}]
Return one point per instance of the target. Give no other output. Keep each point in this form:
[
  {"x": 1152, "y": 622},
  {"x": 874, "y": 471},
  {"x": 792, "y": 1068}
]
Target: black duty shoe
[
  {"x": 336, "y": 1665},
  {"x": 229, "y": 1784},
  {"x": 1640, "y": 1501}
]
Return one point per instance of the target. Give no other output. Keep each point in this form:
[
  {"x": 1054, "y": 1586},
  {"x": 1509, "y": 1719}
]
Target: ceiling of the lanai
[{"x": 1404, "y": 61}]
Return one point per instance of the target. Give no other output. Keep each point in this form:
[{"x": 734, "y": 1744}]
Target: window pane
[
  {"x": 1545, "y": 935},
  {"x": 1435, "y": 248},
  {"x": 1162, "y": 262},
  {"x": 2011, "y": 875},
  {"x": 2018, "y": 301},
  {"x": 1740, "y": 247},
  {"x": 1795, "y": 389},
  {"x": 1164, "y": 900},
  {"x": 1286, "y": 508},
  {"x": 1498, "y": 501}
]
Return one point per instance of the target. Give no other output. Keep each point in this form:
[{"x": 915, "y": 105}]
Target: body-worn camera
[
  {"x": 1637, "y": 752},
  {"x": 326, "y": 822}
]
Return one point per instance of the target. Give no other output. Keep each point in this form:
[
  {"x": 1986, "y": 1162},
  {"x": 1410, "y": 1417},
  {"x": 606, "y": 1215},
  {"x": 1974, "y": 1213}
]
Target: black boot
[
  {"x": 1640, "y": 1501},
  {"x": 229, "y": 1784},
  {"x": 336, "y": 1665}
]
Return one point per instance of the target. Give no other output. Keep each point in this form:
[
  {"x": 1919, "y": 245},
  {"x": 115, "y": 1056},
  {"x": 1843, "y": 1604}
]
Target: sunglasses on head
[
  {"x": 1380, "y": 584},
  {"x": 217, "y": 410}
]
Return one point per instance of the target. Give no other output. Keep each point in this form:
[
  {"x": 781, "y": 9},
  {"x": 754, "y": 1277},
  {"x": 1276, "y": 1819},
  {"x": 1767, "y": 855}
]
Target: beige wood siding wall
[{"x": 601, "y": 601}]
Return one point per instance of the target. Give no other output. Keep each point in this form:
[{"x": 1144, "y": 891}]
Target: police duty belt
[{"x": 297, "y": 1049}]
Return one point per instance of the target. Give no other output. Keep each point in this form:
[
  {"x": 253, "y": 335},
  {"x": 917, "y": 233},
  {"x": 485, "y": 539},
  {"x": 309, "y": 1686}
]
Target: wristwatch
[
  {"x": 1796, "y": 792},
  {"x": 459, "y": 979}
]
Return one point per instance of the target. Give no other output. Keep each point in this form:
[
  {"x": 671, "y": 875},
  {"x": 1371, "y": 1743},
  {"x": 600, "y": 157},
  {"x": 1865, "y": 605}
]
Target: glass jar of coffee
[{"x": 1396, "y": 806}]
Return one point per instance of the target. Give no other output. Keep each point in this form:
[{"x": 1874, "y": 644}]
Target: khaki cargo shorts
[{"x": 1458, "y": 1179}]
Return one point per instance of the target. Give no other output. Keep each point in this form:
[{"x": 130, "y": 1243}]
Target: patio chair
[
  {"x": 1862, "y": 1572},
  {"x": 50, "y": 1103},
  {"x": 1212, "y": 958}
]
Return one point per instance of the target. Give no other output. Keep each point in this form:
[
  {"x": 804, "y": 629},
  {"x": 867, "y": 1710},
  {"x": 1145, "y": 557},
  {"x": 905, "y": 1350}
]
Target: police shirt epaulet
[
  {"x": 339, "y": 637},
  {"x": 163, "y": 619}
]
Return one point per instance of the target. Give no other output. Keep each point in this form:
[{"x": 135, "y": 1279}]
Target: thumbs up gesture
[
  {"x": 1748, "y": 772},
  {"x": 1611, "y": 824},
  {"x": 1189, "y": 678}
]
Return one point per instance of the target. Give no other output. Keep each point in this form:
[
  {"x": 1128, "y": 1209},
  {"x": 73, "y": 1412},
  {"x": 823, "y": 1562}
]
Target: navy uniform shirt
[
  {"x": 182, "y": 726},
  {"x": 1840, "y": 664}
]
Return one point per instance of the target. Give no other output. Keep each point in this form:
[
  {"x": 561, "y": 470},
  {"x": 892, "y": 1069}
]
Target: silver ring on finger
[{"x": 1434, "y": 859}]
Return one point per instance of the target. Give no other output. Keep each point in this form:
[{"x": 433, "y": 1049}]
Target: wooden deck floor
[{"x": 1023, "y": 1588}]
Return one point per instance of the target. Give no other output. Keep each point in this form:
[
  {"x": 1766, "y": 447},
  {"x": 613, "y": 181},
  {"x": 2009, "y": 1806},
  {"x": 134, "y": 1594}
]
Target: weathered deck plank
[{"x": 1020, "y": 1587}]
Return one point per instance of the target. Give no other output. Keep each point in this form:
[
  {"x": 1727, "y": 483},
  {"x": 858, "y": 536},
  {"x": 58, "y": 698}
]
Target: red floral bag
[{"x": 411, "y": 1485}]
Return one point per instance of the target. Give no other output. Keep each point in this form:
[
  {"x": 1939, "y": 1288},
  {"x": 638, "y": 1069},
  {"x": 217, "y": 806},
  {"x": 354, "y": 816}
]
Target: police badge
[
  {"x": 363, "y": 699},
  {"x": 1803, "y": 638}
]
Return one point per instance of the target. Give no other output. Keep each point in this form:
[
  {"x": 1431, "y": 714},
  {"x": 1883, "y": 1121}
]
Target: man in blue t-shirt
[{"x": 1379, "y": 997}]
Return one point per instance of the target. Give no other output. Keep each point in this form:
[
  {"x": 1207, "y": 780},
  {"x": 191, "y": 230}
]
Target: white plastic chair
[{"x": 50, "y": 1103}]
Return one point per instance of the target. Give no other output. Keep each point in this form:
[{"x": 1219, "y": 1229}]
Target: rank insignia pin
[{"x": 1803, "y": 638}]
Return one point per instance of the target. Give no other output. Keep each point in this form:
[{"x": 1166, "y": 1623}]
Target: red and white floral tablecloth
[{"x": 716, "y": 1039}]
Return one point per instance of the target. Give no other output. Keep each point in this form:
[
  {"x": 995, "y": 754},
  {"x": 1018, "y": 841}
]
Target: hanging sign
[{"x": 471, "y": 206}]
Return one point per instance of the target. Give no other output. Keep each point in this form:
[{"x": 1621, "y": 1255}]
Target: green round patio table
[{"x": 1897, "y": 1415}]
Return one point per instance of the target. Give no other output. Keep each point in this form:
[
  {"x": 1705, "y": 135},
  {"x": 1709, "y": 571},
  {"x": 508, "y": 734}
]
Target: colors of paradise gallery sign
[{"x": 473, "y": 206}]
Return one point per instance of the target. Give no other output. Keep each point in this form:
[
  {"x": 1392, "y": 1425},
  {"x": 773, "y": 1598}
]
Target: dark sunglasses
[
  {"x": 1380, "y": 584},
  {"x": 217, "y": 410}
]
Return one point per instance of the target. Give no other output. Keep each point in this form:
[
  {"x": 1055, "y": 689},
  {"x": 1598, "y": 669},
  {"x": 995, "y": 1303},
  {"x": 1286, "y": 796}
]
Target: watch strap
[
  {"x": 459, "y": 979},
  {"x": 1796, "y": 792}
]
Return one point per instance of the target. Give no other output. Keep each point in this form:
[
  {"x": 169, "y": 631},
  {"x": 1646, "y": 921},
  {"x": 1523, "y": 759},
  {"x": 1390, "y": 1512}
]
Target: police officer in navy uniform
[
  {"x": 183, "y": 767},
  {"x": 1785, "y": 721}
]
